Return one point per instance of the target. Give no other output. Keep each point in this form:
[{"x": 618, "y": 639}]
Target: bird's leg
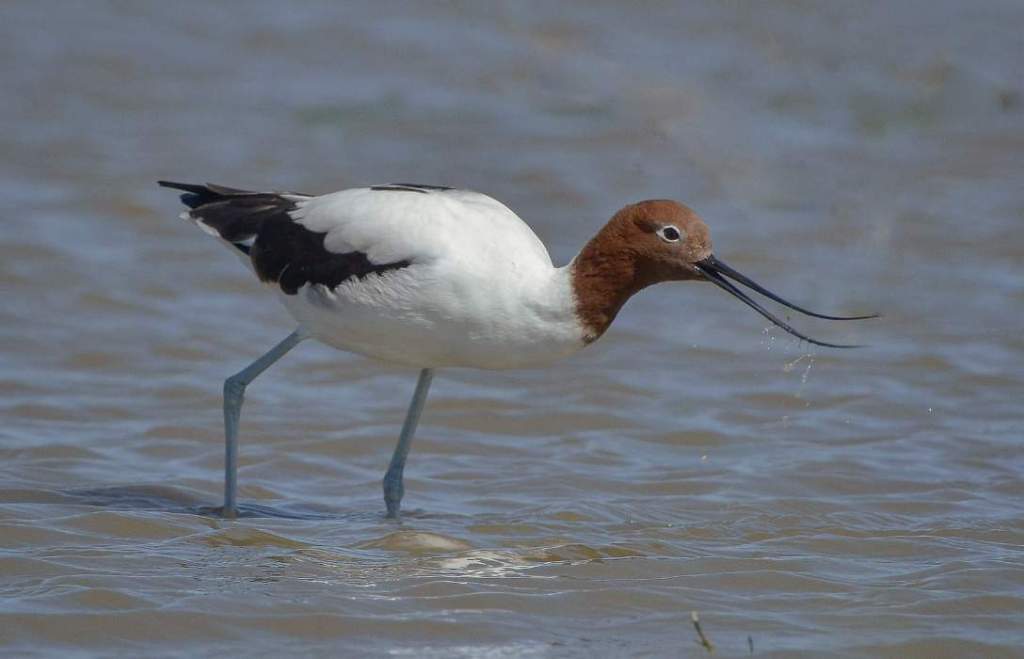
[
  {"x": 393, "y": 488},
  {"x": 234, "y": 392}
]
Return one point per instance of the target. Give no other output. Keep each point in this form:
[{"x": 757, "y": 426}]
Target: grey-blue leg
[
  {"x": 393, "y": 487},
  {"x": 234, "y": 392}
]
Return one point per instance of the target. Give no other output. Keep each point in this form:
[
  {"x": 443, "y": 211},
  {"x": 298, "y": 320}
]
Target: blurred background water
[{"x": 854, "y": 156}]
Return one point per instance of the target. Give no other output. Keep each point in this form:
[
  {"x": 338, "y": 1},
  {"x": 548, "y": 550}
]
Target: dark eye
[{"x": 669, "y": 234}]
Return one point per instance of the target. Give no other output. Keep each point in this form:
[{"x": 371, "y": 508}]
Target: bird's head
[{"x": 655, "y": 241}]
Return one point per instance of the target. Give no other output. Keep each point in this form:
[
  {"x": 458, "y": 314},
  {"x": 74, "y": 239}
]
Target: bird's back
[{"x": 395, "y": 221}]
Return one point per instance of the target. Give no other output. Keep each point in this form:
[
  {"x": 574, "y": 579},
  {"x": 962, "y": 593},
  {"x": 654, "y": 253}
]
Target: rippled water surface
[{"x": 857, "y": 503}]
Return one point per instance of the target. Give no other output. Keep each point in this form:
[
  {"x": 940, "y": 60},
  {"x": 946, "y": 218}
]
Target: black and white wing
[{"x": 263, "y": 228}]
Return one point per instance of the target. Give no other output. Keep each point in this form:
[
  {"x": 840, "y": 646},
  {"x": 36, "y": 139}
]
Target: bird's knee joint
[{"x": 234, "y": 388}]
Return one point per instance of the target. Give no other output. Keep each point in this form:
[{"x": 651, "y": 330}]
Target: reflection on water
[{"x": 817, "y": 502}]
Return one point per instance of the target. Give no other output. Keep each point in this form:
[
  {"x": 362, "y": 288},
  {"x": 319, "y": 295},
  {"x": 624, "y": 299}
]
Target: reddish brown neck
[{"x": 605, "y": 274}]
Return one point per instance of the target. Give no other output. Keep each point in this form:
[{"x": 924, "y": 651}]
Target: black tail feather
[
  {"x": 197, "y": 195},
  {"x": 236, "y": 215}
]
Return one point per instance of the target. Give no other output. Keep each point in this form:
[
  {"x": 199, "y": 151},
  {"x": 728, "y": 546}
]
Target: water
[{"x": 816, "y": 502}]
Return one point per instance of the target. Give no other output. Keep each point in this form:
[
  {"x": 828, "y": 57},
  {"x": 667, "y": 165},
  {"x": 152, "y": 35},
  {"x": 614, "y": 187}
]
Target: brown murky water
[{"x": 859, "y": 503}]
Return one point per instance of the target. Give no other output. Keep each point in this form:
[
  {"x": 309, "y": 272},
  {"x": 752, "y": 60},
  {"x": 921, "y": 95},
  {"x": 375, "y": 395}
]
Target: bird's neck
[{"x": 604, "y": 276}]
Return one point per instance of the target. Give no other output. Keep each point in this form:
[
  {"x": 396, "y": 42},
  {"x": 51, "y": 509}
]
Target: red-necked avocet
[{"x": 430, "y": 277}]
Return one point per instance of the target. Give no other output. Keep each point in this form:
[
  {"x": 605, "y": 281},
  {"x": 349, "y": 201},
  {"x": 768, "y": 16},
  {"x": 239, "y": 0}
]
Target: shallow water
[{"x": 816, "y": 502}]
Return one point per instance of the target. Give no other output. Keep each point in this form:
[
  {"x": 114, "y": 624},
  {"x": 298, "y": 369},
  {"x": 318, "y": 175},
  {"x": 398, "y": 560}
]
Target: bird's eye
[{"x": 669, "y": 234}]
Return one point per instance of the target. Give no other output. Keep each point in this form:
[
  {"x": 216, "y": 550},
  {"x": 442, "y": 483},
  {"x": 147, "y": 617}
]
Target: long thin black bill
[
  {"x": 724, "y": 283},
  {"x": 713, "y": 264}
]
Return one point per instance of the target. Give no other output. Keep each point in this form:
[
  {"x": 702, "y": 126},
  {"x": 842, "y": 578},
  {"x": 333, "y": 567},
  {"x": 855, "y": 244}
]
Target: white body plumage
[{"x": 479, "y": 289}]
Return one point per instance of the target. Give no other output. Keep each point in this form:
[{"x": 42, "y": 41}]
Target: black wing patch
[
  {"x": 283, "y": 251},
  {"x": 292, "y": 255},
  {"x": 409, "y": 187}
]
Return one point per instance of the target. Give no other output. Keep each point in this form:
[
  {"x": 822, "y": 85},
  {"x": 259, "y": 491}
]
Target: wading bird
[{"x": 431, "y": 277}]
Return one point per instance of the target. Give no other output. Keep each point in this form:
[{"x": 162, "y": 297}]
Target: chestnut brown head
[
  {"x": 655, "y": 241},
  {"x": 664, "y": 238}
]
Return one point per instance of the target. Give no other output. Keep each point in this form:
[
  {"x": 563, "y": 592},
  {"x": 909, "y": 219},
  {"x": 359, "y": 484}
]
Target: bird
[{"x": 432, "y": 277}]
